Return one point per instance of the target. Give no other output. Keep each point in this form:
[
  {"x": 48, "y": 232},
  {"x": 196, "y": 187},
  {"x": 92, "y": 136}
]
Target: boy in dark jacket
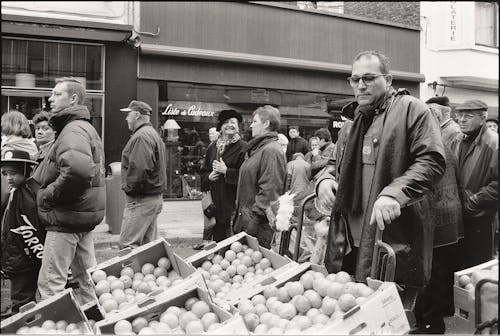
[{"x": 22, "y": 234}]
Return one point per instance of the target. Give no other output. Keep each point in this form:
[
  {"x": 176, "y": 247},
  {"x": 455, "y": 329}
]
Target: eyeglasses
[{"x": 367, "y": 79}]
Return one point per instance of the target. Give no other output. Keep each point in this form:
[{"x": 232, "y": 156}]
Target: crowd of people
[{"x": 401, "y": 166}]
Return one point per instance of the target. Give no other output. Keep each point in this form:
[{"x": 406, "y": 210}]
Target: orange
[
  {"x": 194, "y": 327},
  {"x": 200, "y": 308},
  {"x": 208, "y": 319},
  {"x": 187, "y": 317},
  {"x": 287, "y": 311},
  {"x": 302, "y": 304},
  {"x": 109, "y": 305},
  {"x": 346, "y": 302},
  {"x": 314, "y": 298},
  {"x": 147, "y": 268},
  {"x": 98, "y": 276},
  {"x": 251, "y": 321},
  {"x": 307, "y": 280},
  {"x": 164, "y": 263},
  {"x": 334, "y": 290},
  {"x": 129, "y": 271},
  {"x": 236, "y": 247},
  {"x": 123, "y": 327},
  {"x": 190, "y": 302},
  {"x": 342, "y": 277}
]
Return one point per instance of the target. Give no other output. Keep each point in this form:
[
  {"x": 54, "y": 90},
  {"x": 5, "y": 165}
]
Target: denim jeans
[
  {"x": 63, "y": 251},
  {"x": 139, "y": 220}
]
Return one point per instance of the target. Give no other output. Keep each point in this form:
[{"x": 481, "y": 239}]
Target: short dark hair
[
  {"x": 41, "y": 116},
  {"x": 268, "y": 112},
  {"x": 73, "y": 86},
  {"x": 324, "y": 134},
  {"x": 384, "y": 60},
  {"x": 20, "y": 167}
]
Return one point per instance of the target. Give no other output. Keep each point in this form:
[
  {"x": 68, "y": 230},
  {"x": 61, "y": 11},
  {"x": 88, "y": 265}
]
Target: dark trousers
[
  {"x": 222, "y": 229},
  {"x": 23, "y": 289},
  {"x": 349, "y": 261},
  {"x": 477, "y": 247},
  {"x": 436, "y": 300}
]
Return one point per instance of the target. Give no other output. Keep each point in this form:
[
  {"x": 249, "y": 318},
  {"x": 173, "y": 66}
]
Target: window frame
[{"x": 496, "y": 27}]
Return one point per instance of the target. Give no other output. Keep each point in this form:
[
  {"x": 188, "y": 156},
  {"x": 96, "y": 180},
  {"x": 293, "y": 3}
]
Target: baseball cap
[{"x": 139, "y": 106}]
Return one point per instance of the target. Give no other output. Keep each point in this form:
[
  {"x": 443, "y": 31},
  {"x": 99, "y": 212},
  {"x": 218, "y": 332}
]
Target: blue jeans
[
  {"x": 139, "y": 220},
  {"x": 63, "y": 251}
]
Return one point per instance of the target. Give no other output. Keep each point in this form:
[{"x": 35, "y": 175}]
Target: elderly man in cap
[
  {"x": 143, "y": 177},
  {"x": 477, "y": 153}
]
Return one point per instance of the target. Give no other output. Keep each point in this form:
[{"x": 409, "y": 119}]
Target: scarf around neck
[
  {"x": 348, "y": 196},
  {"x": 222, "y": 143}
]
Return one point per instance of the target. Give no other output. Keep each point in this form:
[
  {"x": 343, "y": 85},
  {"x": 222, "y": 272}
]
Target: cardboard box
[
  {"x": 62, "y": 306},
  {"x": 464, "y": 299},
  {"x": 279, "y": 263},
  {"x": 155, "y": 306},
  {"x": 381, "y": 313},
  {"x": 147, "y": 253}
]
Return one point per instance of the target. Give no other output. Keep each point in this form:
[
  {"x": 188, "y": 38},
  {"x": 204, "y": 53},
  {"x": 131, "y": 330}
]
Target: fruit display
[
  {"x": 230, "y": 269},
  {"x": 469, "y": 281},
  {"x": 315, "y": 300},
  {"x": 191, "y": 312},
  {"x": 118, "y": 293},
  {"x": 49, "y": 327}
]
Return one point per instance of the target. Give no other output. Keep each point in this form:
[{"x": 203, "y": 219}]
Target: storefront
[
  {"x": 240, "y": 56},
  {"x": 37, "y": 49}
]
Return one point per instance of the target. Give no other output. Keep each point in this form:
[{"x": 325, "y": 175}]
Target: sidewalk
[{"x": 180, "y": 222}]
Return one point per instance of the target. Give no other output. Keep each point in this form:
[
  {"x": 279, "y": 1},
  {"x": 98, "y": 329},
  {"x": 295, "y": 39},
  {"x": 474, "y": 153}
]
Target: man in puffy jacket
[
  {"x": 72, "y": 196},
  {"x": 143, "y": 177}
]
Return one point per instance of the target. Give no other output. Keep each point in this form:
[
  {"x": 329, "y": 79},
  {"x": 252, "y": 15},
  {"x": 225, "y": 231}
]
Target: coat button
[{"x": 375, "y": 141}]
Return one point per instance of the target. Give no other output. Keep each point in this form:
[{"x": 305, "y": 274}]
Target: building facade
[
  {"x": 459, "y": 51},
  {"x": 42, "y": 41},
  {"x": 190, "y": 60}
]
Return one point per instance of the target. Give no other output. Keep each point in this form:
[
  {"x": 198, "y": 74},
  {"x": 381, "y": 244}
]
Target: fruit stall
[{"x": 236, "y": 287}]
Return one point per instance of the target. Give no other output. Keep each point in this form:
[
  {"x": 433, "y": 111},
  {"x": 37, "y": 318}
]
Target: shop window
[
  {"x": 487, "y": 24},
  {"x": 36, "y": 63}
]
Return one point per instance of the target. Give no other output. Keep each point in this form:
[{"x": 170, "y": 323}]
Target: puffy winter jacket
[{"x": 72, "y": 195}]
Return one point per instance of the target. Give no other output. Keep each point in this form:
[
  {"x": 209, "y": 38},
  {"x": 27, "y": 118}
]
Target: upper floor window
[{"x": 487, "y": 24}]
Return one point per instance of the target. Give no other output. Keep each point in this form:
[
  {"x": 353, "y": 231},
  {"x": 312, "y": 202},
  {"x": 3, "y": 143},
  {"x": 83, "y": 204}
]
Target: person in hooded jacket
[
  {"x": 221, "y": 169},
  {"x": 262, "y": 176},
  {"x": 72, "y": 197}
]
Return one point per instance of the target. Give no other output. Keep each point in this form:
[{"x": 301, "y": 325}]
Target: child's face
[{"x": 13, "y": 176}]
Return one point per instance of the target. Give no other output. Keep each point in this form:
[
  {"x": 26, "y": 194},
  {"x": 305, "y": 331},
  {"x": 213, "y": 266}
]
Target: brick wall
[{"x": 405, "y": 12}]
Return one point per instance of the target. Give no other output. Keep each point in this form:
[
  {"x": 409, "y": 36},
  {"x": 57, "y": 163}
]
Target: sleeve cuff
[{"x": 395, "y": 193}]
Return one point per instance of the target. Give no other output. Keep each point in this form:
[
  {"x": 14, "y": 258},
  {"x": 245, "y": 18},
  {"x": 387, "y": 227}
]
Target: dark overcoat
[{"x": 262, "y": 181}]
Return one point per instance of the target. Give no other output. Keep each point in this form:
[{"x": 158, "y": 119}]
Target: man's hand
[
  {"x": 385, "y": 210},
  {"x": 219, "y": 167},
  {"x": 315, "y": 151},
  {"x": 214, "y": 176},
  {"x": 326, "y": 197}
]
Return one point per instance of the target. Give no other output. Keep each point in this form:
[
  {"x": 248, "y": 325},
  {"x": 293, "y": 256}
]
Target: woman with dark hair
[
  {"x": 262, "y": 176},
  {"x": 221, "y": 170},
  {"x": 44, "y": 134}
]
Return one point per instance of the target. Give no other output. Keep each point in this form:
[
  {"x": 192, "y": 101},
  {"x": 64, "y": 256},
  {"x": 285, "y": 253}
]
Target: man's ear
[
  {"x": 74, "y": 99},
  {"x": 388, "y": 79}
]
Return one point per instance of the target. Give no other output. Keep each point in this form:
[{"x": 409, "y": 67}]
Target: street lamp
[{"x": 172, "y": 128}]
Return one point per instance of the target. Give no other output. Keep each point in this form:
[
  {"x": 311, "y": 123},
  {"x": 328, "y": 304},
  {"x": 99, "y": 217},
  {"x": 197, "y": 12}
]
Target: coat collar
[
  {"x": 61, "y": 119},
  {"x": 260, "y": 141}
]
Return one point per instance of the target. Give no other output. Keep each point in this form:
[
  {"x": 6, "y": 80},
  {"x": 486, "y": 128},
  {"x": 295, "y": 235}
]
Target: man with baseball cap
[
  {"x": 144, "y": 177},
  {"x": 477, "y": 153}
]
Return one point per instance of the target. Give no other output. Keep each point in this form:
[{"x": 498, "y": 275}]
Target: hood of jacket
[
  {"x": 61, "y": 119},
  {"x": 260, "y": 141}
]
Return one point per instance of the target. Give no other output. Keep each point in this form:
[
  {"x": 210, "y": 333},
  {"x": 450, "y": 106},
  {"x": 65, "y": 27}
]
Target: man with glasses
[
  {"x": 477, "y": 153},
  {"x": 386, "y": 165}
]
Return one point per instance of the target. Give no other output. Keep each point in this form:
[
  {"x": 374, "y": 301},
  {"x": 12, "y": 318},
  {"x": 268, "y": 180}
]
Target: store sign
[
  {"x": 337, "y": 124},
  {"x": 453, "y": 21},
  {"x": 193, "y": 110}
]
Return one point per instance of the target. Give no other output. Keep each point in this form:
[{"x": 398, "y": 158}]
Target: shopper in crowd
[
  {"x": 144, "y": 178},
  {"x": 323, "y": 158},
  {"x": 213, "y": 134},
  {"x": 440, "y": 106},
  {"x": 298, "y": 174},
  {"x": 221, "y": 170},
  {"x": 22, "y": 234},
  {"x": 477, "y": 153},
  {"x": 393, "y": 156},
  {"x": 492, "y": 124},
  {"x": 16, "y": 135},
  {"x": 72, "y": 196},
  {"x": 297, "y": 144},
  {"x": 436, "y": 301},
  {"x": 283, "y": 141},
  {"x": 314, "y": 144},
  {"x": 262, "y": 176},
  {"x": 44, "y": 134}
]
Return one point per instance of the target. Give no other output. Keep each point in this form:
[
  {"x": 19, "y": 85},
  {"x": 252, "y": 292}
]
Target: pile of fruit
[
  {"x": 195, "y": 317},
  {"x": 116, "y": 294},
  {"x": 239, "y": 264},
  {"x": 50, "y": 327},
  {"x": 314, "y": 301},
  {"x": 468, "y": 282}
]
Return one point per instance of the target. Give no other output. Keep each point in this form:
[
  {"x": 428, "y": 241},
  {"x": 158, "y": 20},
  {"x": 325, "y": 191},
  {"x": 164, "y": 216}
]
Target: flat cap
[
  {"x": 472, "y": 105},
  {"x": 139, "y": 106},
  {"x": 440, "y": 100}
]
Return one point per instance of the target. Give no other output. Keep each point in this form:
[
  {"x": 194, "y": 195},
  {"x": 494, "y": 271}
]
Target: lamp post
[{"x": 173, "y": 163}]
